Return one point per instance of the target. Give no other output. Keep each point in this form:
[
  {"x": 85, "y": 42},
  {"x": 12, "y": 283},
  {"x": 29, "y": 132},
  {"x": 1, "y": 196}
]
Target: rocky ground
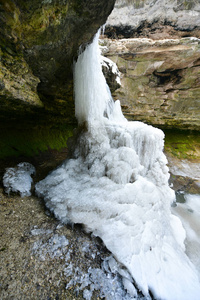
[{"x": 32, "y": 266}]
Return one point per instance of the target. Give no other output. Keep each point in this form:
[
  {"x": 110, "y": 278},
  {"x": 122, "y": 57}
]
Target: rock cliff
[
  {"x": 156, "y": 47},
  {"x": 159, "y": 80},
  {"x": 38, "y": 42},
  {"x": 154, "y": 19}
]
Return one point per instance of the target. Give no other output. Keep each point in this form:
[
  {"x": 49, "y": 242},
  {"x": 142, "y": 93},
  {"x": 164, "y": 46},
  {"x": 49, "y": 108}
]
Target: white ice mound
[
  {"x": 123, "y": 197},
  {"x": 18, "y": 179},
  {"x": 117, "y": 186}
]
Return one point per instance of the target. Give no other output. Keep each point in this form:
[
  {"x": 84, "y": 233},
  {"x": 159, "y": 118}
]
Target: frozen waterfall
[{"x": 116, "y": 184}]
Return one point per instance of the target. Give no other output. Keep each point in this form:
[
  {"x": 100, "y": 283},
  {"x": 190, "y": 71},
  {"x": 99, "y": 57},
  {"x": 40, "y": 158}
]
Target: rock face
[
  {"x": 154, "y": 19},
  {"x": 38, "y": 42},
  {"x": 156, "y": 46},
  {"x": 160, "y": 80}
]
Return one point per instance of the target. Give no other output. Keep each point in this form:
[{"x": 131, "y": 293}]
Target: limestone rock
[
  {"x": 38, "y": 42},
  {"x": 160, "y": 80},
  {"x": 154, "y": 19}
]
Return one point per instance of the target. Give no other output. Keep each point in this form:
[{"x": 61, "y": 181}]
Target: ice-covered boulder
[{"x": 18, "y": 179}]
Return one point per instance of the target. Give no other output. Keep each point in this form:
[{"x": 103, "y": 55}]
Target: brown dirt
[{"x": 23, "y": 275}]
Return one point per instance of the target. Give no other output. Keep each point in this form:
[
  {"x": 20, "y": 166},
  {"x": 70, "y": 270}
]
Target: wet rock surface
[
  {"x": 185, "y": 175},
  {"x": 182, "y": 149}
]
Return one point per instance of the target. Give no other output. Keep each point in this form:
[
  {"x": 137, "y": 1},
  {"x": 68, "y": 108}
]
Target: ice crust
[
  {"x": 189, "y": 213},
  {"x": 105, "y": 279},
  {"x": 18, "y": 179},
  {"x": 109, "y": 64},
  {"x": 117, "y": 186}
]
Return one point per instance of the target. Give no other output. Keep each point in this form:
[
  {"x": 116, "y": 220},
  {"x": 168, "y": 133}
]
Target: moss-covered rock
[
  {"x": 30, "y": 142},
  {"x": 183, "y": 144},
  {"x": 38, "y": 42},
  {"x": 182, "y": 149}
]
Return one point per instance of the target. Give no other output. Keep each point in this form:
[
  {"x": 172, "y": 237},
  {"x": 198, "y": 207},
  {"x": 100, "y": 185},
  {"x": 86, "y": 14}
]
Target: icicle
[{"x": 90, "y": 103}]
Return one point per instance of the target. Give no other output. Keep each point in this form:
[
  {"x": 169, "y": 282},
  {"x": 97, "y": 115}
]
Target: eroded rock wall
[
  {"x": 154, "y": 19},
  {"x": 38, "y": 42},
  {"x": 156, "y": 47},
  {"x": 160, "y": 80}
]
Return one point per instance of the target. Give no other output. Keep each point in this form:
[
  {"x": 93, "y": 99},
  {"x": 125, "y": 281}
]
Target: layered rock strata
[
  {"x": 157, "y": 49},
  {"x": 154, "y": 19},
  {"x": 159, "y": 80}
]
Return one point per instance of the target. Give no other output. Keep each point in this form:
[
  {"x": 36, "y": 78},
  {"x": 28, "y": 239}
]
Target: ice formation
[
  {"x": 104, "y": 279},
  {"x": 189, "y": 213},
  {"x": 18, "y": 179},
  {"x": 117, "y": 186},
  {"x": 110, "y": 65}
]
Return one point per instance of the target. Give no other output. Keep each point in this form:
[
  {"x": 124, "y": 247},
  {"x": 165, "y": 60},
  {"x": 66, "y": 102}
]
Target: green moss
[
  {"x": 48, "y": 16},
  {"x": 34, "y": 22},
  {"x": 2, "y": 249},
  {"x": 183, "y": 144},
  {"x": 30, "y": 142},
  {"x": 139, "y": 70},
  {"x": 186, "y": 4},
  {"x": 136, "y": 3}
]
